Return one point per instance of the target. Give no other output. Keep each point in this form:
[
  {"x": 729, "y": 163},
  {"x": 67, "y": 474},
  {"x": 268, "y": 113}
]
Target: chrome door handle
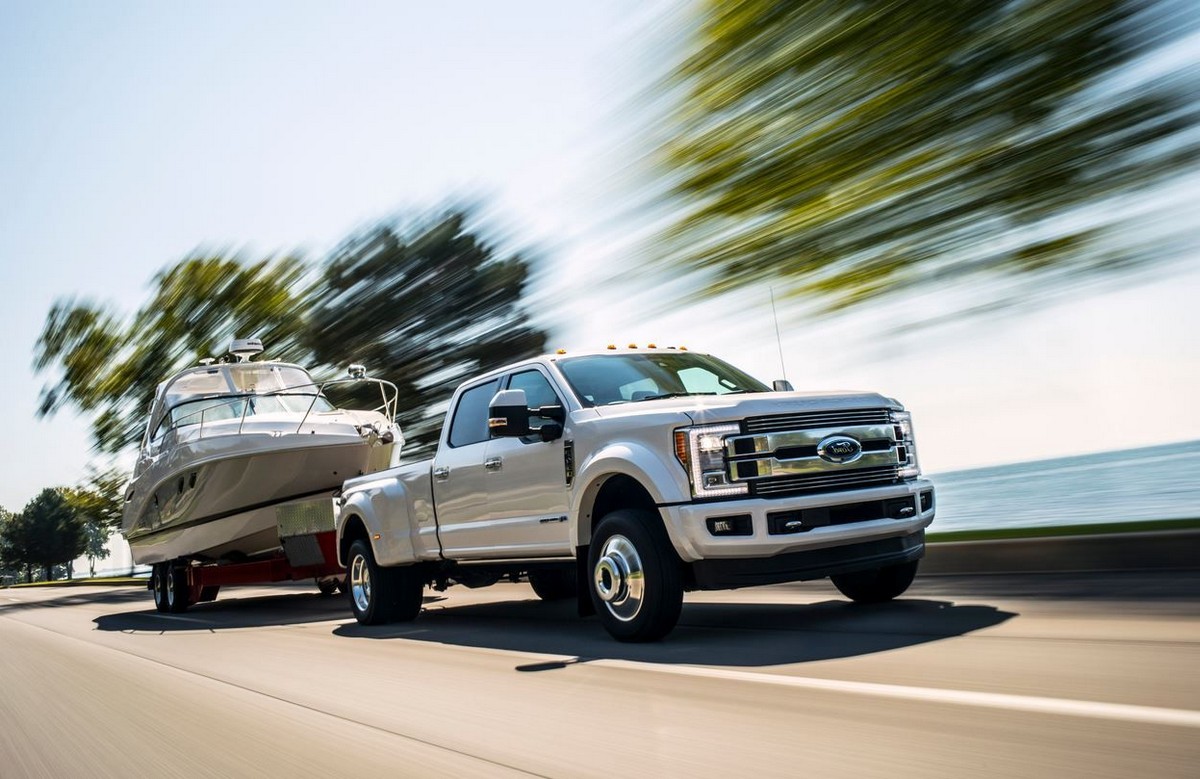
[
  {"x": 441, "y": 474},
  {"x": 493, "y": 463}
]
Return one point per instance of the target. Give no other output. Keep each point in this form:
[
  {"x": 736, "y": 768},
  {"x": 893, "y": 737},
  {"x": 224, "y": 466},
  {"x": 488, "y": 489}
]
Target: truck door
[
  {"x": 526, "y": 482},
  {"x": 459, "y": 487}
]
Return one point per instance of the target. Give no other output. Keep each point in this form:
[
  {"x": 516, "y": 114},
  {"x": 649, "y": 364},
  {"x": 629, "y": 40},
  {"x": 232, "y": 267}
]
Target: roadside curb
[{"x": 1160, "y": 550}]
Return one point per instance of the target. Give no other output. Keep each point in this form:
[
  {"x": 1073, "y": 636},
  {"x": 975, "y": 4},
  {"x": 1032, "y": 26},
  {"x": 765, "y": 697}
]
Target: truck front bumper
[{"x": 689, "y": 528}]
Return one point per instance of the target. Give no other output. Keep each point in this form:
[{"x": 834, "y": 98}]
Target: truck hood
[{"x": 720, "y": 408}]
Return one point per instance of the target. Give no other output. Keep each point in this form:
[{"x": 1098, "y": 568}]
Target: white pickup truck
[{"x": 626, "y": 477}]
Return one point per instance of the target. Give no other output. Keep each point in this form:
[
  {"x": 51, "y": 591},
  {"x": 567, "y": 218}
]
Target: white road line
[{"x": 1152, "y": 715}]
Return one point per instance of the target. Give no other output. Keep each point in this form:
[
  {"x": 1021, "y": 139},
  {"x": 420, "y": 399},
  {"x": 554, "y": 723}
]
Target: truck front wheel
[
  {"x": 878, "y": 584},
  {"x": 636, "y": 583},
  {"x": 379, "y": 595}
]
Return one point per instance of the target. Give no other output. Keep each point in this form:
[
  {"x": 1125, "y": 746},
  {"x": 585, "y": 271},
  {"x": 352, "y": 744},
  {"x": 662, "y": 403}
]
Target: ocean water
[{"x": 1157, "y": 482}]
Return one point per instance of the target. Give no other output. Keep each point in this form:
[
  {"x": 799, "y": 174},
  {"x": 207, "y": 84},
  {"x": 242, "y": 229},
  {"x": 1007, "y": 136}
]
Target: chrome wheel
[
  {"x": 160, "y": 587},
  {"x": 170, "y": 577},
  {"x": 360, "y": 583},
  {"x": 620, "y": 578}
]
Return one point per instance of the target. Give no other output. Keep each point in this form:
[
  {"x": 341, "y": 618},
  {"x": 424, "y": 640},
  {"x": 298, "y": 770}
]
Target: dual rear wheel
[{"x": 379, "y": 594}]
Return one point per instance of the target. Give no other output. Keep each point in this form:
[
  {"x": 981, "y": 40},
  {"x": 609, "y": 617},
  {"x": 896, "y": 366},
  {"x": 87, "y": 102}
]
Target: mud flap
[{"x": 583, "y": 595}]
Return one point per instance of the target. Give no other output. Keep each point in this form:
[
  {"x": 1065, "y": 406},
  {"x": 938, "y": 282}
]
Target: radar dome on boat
[{"x": 245, "y": 348}]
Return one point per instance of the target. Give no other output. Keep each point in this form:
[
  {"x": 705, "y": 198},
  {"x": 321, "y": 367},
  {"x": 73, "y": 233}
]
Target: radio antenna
[{"x": 778, "y": 339}]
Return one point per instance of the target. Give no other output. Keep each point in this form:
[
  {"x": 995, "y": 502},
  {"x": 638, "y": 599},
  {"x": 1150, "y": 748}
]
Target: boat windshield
[
  {"x": 221, "y": 392},
  {"x": 605, "y": 379}
]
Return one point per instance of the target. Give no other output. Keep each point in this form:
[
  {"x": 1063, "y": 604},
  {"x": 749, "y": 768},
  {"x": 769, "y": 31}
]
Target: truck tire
[
  {"x": 329, "y": 586},
  {"x": 379, "y": 595},
  {"x": 878, "y": 584},
  {"x": 636, "y": 583},
  {"x": 554, "y": 583},
  {"x": 158, "y": 584},
  {"x": 178, "y": 594}
]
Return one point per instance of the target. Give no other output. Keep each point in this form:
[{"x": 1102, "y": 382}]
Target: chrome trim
[
  {"x": 769, "y": 467},
  {"x": 767, "y": 443},
  {"x": 828, "y": 480},
  {"x": 861, "y": 416},
  {"x": 360, "y": 583},
  {"x": 619, "y": 578}
]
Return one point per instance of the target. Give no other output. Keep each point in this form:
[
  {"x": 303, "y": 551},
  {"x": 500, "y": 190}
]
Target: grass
[
  {"x": 1057, "y": 531},
  {"x": 112, "y": 581}
]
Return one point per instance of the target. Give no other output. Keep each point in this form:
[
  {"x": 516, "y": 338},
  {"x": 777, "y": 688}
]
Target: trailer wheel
[
  {"x": 553, "y": 583},
  {"x": 177, "y": 588},
  {"x": 158, "y": 585},
  {"x": 379, "y": 595},
  {"x": 878, "y": 584},
  {"x": 328, "y": 586},
  {"x": 636, "y": 583}
]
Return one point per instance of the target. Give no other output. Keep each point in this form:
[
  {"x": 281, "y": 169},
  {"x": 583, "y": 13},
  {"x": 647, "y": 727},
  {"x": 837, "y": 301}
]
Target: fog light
[{"x": 739, "y": 525}]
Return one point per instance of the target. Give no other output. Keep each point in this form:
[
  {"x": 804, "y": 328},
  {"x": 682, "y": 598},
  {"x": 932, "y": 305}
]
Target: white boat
[{"x": 233, "y": 449}]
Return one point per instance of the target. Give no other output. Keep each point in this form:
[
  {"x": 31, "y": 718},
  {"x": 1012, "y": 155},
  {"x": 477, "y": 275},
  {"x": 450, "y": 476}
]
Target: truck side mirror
[
  {"x": 555, "y": 412},
  {"x": 782, "y": 385},
  {"x": 508, "y": 416}
]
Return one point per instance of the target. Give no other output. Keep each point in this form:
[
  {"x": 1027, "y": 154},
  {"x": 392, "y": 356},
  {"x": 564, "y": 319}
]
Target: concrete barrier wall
[{"x": 1162, "y": 550}]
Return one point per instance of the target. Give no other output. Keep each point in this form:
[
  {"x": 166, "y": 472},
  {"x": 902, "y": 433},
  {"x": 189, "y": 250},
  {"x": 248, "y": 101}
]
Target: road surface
[{"x": 1032, "y": 675}]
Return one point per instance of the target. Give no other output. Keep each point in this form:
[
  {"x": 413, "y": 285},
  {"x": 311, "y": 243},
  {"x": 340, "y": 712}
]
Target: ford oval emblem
[{"x": 839, "y": 449}]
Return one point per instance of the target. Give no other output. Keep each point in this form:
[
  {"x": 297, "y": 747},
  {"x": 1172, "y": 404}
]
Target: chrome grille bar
[
  {"x": 800, "y": 421},
  {"x": 825, "y": 481}
]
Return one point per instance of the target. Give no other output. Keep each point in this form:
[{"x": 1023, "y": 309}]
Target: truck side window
[
  {"x": 469, "y": 425},
  {"x": 538, "y": 392}
]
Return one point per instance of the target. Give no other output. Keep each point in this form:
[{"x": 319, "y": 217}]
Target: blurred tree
[
  {"x": 99, "y": 502},
  {"x": 47, "y": 532},
  {"x": 10, "y": 565},
  {"x": 849, "y": 151},
  {"x": 425, "y": 306},
  {"x": 110, "y": 368}
]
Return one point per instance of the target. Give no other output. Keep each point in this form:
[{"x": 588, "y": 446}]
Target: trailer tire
[
  {"x": 328, "y": 586},
  {"x": 378, "y": 594},
  {"x": 158, "y": 586},
  {"x": 178, "y": 594},
  {"x": 636, "y": 581},
  {"x": 878, "y": 584}
]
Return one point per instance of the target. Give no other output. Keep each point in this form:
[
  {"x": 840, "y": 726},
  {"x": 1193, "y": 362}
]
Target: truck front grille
[
  {"x": 825, "y": 482},
  {"x": 809, "y": 419}
]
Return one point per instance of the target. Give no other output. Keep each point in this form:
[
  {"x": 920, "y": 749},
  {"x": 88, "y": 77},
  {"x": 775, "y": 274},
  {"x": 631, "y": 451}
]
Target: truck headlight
[
  {"x": 906, "y": 444},
  {"x": 701, "y": 451}
]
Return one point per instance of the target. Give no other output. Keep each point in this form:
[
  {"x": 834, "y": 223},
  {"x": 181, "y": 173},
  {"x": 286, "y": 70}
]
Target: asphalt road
[{"x": 1031, "y": 675}]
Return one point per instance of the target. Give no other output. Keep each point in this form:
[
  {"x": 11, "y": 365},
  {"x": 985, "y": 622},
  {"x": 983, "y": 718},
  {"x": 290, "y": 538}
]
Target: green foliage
[
  {"x": 9, "y": 563},
  {"x": 100, "y": 499},
  {"x": 425, "y": 307},
  {"x": 110, "y": 368},
  {"x": 850, "y": 151},
  {"x": 98, "y": 503},
  {"x": 47, "y": 532}
]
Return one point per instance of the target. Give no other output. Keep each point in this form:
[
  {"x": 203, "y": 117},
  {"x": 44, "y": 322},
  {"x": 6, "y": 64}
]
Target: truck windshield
[{"x": 604, "y": 379}]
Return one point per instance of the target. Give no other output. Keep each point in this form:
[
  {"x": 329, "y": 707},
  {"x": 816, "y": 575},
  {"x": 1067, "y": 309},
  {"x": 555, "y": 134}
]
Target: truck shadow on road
[
  {"x": 232, "y": 612},
  {"x": 721, "y": 634}
]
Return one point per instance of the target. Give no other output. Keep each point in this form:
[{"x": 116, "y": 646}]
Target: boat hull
[{"x": 219, "y": 500}]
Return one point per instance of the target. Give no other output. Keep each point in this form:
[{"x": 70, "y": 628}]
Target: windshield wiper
[{"x": 673, "y": 395}]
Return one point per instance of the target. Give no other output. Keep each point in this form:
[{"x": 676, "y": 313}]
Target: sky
[{"x": 133, "y": 133}]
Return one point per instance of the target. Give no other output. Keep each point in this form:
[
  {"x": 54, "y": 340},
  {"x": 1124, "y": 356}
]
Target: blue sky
[{"x": 132, "y": 133}]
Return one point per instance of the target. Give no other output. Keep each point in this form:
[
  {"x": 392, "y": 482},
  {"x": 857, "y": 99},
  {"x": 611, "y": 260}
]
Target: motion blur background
[{"x": 986, "y": 210}]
